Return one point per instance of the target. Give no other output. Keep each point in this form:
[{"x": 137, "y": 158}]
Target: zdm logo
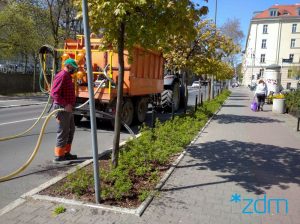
[{"x": 262, "y": 205}]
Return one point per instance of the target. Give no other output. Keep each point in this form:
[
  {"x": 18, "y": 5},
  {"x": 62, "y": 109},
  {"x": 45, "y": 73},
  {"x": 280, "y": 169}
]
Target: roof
[{"x": 283, "y": 11}]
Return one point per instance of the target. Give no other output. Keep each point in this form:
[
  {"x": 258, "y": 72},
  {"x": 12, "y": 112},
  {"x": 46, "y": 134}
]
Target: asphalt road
[{"x": 15, "y": 152}]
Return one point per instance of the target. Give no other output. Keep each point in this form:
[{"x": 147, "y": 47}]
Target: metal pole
[
  {"x": 172, "y": 110},
  {"x": 216, "y": 12},
  {"x": 298, "y": 125},
  {"x": 196, "y": 102},
  {"x": 91, "y": 97},
  {"x": 199, "y": 89},
  {"x": 201, "y": 99},
  {"x": 212, "y": 91},
  {"x": 153, "y": 116}
]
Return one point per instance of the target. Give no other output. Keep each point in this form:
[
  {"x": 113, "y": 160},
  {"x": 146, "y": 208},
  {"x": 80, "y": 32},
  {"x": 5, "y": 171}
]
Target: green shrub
[
  {"x": 140, "y": 158},
  {"x": 143, "y": 195},
  {"x": 293, "y": 100},
  {"x": 78, "y": 182}
]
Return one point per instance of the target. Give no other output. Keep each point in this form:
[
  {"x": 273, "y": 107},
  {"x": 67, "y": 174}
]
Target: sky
[{"x": 240, "y": 9}]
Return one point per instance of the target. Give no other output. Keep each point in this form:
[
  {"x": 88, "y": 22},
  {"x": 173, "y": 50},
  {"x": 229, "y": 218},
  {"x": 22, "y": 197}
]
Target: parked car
[
  {"x": 235, "y": 84},
  {"x": 195, "y": 84}
]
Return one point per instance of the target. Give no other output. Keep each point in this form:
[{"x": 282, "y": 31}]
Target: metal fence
[{"x": 16, "y": 67}]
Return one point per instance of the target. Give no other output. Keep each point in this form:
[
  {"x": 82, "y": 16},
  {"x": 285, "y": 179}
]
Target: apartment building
[{"x": 273, "y": 43}]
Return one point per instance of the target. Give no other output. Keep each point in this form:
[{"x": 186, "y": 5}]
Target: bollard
[
  {"x": 196, "y": 103},
  {"x": 201, "y": 99},
  {"x": 153, "y": 117},
  {"x": 172, "y": 110},
  {"x": 298, "y": 125}
]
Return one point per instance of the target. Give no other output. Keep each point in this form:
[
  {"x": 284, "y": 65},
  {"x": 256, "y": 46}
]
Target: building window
[
  {"x": 288, "y": 85},
  {"x": 273, "y": 12},
  {"x": 291, "y": 57},
  {"x": 294, "y": 28},
  {"x": 264, "y": 44},
  {"x": 261, "y": 73},
  {"x": 299, "y": 12},
  {"x": 265, "y": 29},
  {"x": 262, "y": 58},
  {"x": 289, "y": 73},
  {"x": 293, "y": 43}
]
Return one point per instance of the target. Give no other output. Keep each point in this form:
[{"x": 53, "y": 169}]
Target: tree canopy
[
  {"x": 28, "y": 24},
  {"x": 204, "y": 53},
  {"x": 147, "y": 23},
  {"x": 23, "y": 29}
]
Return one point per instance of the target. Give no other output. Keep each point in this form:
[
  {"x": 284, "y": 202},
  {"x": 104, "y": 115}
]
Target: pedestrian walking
[
  {"x": 63, "y": 95},
  {"x": 261, "y": 93}
]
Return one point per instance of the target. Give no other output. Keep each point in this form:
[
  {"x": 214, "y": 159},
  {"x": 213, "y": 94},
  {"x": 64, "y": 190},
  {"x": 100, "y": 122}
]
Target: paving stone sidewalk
[{"x": 255, "y": 155}]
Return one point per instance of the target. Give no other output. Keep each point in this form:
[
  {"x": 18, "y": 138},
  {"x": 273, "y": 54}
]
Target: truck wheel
[
  {"x": 176, "y": 96},
  {"x": 166, "y": 99},
  {"x": 127, "y": 112},
  {"x": 140, "y": 109},
  {"x": 77, "y": 119}
]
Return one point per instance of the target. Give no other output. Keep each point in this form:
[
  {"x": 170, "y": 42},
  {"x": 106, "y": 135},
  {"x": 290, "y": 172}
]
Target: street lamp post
[
  {"x": 216, "y": 9},
  {"x": 212, "y": 77},
  {"x": 91, "y": 98}
]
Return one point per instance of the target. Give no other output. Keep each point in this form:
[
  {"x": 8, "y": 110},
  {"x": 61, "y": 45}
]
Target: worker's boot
[
  {"x": 68, "y": 155},
  {"x": 60, "y": 156}
]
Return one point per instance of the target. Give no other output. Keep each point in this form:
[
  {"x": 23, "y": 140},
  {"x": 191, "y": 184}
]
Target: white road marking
[
  {"x": 4, "y": 101},
  {"x": 22, "y": 105},
  {"x": 13, "y": 122}
]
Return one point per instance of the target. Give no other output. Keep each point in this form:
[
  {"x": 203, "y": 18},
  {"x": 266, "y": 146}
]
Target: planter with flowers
[{"x": 278, "y": 103}]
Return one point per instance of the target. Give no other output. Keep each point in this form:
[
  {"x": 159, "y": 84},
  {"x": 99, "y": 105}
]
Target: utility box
[{"x": 272, "y": 78}]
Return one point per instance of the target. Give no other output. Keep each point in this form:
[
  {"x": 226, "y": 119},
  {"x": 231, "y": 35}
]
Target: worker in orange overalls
[{"x": 63, "y": 95}]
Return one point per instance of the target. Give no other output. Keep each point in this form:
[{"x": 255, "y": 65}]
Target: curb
[
  {"x": 138, "y": 211},
  {"x": 34, "y": 192}
]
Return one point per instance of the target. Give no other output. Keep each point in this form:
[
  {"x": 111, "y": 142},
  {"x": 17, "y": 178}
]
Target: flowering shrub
[{"x": 279, "y": 96}]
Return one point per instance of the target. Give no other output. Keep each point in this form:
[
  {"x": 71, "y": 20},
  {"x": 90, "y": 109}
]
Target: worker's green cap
[{"x": 71, "y": 62}]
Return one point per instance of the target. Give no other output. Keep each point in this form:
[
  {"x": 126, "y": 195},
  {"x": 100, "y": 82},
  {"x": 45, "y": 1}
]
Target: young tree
[
  {"x": 23, "y": 29},
  {"x": 203, "y": 54},
  {"x": 232, "y": 30},
  {"x": 146, "y": 23}
]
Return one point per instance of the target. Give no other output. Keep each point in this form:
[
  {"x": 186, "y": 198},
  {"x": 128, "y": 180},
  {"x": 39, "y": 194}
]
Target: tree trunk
[
  {"x": 26, "y": 62},
  {"x": 185, "y": 90},
  {"x": 115, "y": 151},
  {"x": 212, "y": 87},
  {"x": 34, "y": 73},
  {"x": 209, "y": 89}
]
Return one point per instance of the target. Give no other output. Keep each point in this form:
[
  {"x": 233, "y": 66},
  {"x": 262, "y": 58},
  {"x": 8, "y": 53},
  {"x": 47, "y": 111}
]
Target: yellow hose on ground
[
  {"x": 37, "y": 146},
  {"x": 29, "y": 129}
]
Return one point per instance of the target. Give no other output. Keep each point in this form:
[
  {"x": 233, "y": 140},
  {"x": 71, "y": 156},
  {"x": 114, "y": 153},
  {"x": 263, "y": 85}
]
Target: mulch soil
[{"x": 130, "y": 201}]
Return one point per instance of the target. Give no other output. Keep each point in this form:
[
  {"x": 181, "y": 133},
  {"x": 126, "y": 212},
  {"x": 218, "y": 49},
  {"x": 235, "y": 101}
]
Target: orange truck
[{"x": 144, "y": 81}]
